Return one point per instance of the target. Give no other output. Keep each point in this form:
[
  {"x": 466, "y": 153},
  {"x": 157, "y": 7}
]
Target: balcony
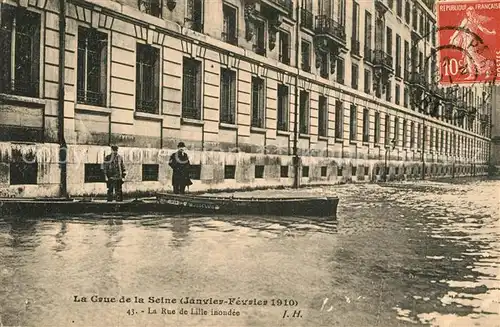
[
  {"x": 355, "y": 48},
  {"x": 327, "y": 27},
  {"x": 284, "y": 7},
  {"x": 382, "y": 59}
]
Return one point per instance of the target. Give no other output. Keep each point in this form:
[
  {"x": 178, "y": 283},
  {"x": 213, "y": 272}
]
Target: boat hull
[
  {"x": 317, "y": 207},
  {"x": 175, "y": 204}
]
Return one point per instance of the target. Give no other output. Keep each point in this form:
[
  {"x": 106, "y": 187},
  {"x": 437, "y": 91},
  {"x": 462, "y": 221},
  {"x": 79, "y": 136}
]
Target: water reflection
[{"x": 398, "y": 255}]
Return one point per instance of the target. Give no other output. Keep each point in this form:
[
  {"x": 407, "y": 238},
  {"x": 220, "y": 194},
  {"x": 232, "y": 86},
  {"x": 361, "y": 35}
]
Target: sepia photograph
[{"x": 249, "y": 163}]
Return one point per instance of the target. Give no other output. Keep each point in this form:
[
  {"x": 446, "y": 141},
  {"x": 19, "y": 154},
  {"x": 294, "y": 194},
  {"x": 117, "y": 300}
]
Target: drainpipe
[
  {"x": 424, "y": 134},
  {"x": 296, "y": 158},
  {"x": 63, "y": 190}
]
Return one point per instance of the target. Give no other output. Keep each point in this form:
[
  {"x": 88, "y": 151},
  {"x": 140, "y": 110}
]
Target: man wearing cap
[
  {"x": 179, "y": 162},
  {"x": 114, "y": 173}
]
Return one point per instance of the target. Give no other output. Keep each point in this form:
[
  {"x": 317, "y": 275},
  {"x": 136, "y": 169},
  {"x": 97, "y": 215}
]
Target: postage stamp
[{"x": 468, "y": 32}]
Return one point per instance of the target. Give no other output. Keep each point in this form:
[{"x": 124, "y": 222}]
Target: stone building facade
[{"x": 342, "y": 86}]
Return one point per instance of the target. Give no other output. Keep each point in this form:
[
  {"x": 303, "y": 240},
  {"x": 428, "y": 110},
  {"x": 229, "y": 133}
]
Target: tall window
[
  {"x": 431, "y": 139},
  {"x": 259, "y": 43},
  {"x": 398, "y": 94},
  {"x": 92, "y": 66},
  {"x": 366, "y": 125},
  {"x": 368, "y": 33},
  {"x": 388, "y": 92},
  {"x": 194, "y": 11},
  {"x": 323, "y": 116},
  {"x": 388, "y": 42},
  {"x": 355, "y": 21},
  {"x": 407, "y": 11},
  {"x": 151, "y": 7},
  {"x": 406, "y": 59},
  {"x": 354, "y": 76},
  {"x": 258, "y": 102},
  {"x": 304, "y": 112},
  {"x": 305, "y": 48},
  {"x": 387, "y": 131},
  {"x": 405, "y": 132},
  {"x": 20, "y": 45},
  {"x": 419, "y": 136},
  {"x": 406, "y": 97},
  {"x": 376, "y": 138},
  {"x": 396, "y": 130},
  {"x": 353, "y": 120},
  {"x": 324, "y": 68},
  {"x": 367, "y": 81},
  {"x": 341, "y": 12},
  {"x": 412, "y": 135},
  {"x": 147, "y": 79},
  {"x": 339, "y": 119},
  {"x": 227, "y": 96},
  {"x": 283, "y": 107},
  {"x": 229, "y": 25},
  {"x": 398, "y": 55},
  {"x": 284, "y": 47},
  {"x": 191, "y": 89},
  {"x": 399, "y": 8},
  {"x": 340, "y": 71}
]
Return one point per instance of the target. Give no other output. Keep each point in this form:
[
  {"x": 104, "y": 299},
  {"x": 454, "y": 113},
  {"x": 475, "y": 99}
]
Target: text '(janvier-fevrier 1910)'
[{"x": 186, "y": 305}]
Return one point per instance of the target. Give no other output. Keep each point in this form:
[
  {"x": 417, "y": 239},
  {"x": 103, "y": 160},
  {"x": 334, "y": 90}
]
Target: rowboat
[
  {"x": 175, "y": 204},
  {"x": 284, "y": 206}
]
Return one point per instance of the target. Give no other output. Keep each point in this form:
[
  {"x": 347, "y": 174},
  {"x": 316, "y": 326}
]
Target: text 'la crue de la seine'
[{"x": 172, "y": 304}]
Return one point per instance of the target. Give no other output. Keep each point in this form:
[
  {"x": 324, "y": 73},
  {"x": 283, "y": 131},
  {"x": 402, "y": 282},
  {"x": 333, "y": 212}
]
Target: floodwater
[{"x": 422, "y": 254}]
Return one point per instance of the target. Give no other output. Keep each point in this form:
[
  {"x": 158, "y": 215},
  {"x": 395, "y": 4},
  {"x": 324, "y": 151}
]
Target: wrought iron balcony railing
[
  {"x": 325, "y": 25},
  {"x": 306, "y": 19}
]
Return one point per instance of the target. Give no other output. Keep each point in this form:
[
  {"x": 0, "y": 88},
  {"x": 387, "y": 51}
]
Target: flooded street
[{"x": 424, "y": 254}]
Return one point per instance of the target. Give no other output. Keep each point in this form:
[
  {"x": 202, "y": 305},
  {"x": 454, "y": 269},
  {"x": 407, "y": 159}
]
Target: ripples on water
[{"x": 399, "y": 255}]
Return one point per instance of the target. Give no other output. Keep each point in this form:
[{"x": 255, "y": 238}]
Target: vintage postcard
[{"x": 249, "y": 163}]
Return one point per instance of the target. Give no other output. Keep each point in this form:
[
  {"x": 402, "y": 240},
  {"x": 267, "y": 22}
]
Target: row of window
[
  {"x": 22, "y": 173},
  {"x": 21, "y": 70}
]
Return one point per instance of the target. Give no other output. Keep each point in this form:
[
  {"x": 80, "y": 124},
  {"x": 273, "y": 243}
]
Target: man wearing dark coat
[
  {"x": 114, "y": 173},
  {"x": 179, "y": 162}
]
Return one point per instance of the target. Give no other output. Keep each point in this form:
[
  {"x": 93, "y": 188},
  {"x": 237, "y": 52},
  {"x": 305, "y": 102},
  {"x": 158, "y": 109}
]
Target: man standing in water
[
  {"x": 179, "y": 162},
  {"x": 114, "y": 173}
]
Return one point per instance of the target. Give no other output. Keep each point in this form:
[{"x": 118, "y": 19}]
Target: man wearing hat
[
  {"x": 114, "y": 173},
  {"x": 179, "y": 162}
]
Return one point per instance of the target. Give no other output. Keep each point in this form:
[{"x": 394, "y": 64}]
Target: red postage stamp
[{"x": 467, "y": 34}]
